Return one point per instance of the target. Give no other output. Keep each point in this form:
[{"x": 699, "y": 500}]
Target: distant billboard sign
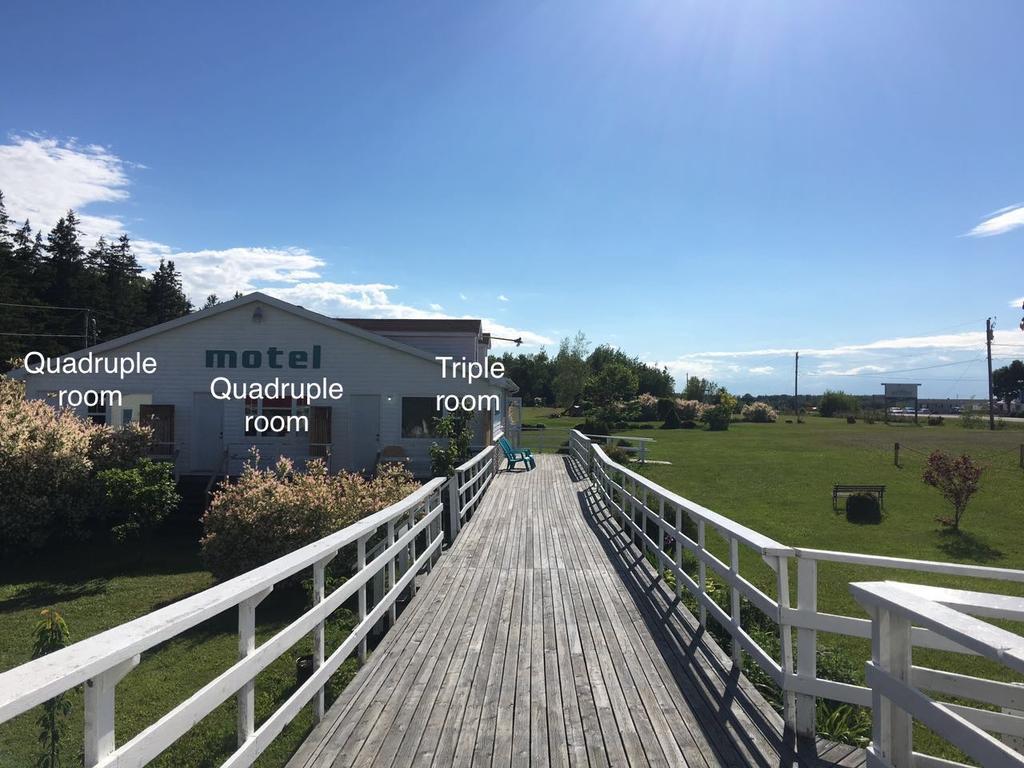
[{"x": 901, "y": 391}]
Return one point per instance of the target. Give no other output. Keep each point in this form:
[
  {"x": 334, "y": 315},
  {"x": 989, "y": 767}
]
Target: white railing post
[
  {"x": 785, "y": 640},
  {"x": 661, "y": 534},
  {"x": 891, "y": 730},
  {"x": 679, "y": 549},
  {"x": 412, "y": 547},
  {"x": 319, "y": 592},
  {"x": 360, "y": 565},
  {"x": 806, "y": 645},
  {"x": 392, "y": 612},
  {"x": 734, "y": 568},
  {"x": 453, "y": 507},
  {"x": 246, "y": 645},
  {"x": 99, "y": 711},
  {"x": 702, "y": 574}
]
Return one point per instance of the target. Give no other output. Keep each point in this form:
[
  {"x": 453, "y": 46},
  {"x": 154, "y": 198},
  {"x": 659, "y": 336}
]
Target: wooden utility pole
[
  {"x": 989, "y": 333},
  {"x": 796, "y": 386}
]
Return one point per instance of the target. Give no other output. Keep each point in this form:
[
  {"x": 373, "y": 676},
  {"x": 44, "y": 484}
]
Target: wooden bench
[{"x": 848, "y": 490}]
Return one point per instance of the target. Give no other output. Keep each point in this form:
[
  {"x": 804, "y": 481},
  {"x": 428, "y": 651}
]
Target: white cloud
[
  {"x": 948, "y": 361},
  {"x": 42, "y": 178},
  {"x": 855, "y": 371},
  {"x": 502, "y": 297},
  {"x": 1000, "y": 222},
  {"x": 350, "y": 299},
  {"x": 242, "y": 269},
  {"x": 373, "y": 300},
  {"x": 1017, "y": 303},
  {"x": 970, "y": 340}
]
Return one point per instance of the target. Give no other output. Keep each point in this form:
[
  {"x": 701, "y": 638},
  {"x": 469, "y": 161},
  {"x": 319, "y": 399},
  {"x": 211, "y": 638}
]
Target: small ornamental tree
[
  {"x": 957, "y": 480},
  {"x": 51, "y": 634},
  {"x": 457, "y": 429}
]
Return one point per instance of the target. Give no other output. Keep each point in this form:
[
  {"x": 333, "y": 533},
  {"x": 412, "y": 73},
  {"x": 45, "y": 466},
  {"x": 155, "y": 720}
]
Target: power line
[{"x": 56, "y": 308}]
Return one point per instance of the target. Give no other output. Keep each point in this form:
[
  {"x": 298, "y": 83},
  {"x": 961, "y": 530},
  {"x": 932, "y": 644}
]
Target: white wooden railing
[
  {"x": 809, "y": 620},
  {"x": 467, "y": 486},
  {"x": 896, "y": 696},
  {"x": 404, "y": 539},
  {"x": 101, "y": 661},
  {"x": 641, "y": 505}
]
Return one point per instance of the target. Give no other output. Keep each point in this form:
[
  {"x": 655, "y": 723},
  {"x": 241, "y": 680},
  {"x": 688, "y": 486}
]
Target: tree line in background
[
  {"x": 575, "y": 374},
  {"x": 66, "y": 296}
]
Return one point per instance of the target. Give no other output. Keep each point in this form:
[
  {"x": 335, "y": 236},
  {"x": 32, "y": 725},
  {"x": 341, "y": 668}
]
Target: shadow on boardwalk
[
  {"x": 542, "y": 639},
  {"x": 704, "y": 665}
]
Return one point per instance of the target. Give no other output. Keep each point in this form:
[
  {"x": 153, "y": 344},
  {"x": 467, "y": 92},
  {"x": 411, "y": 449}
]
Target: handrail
[
  {"x": 896, "y": 696},
  {"x": 467, "y": 486},
  {"x": 929, "y": 566},
  {"x": 105, "y": 658},
  {"x": 628, "y": 494}
]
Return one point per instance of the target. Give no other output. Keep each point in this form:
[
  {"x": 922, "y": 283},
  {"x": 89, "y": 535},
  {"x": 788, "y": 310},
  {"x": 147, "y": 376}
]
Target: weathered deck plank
[{"x": 541, "y": 638}]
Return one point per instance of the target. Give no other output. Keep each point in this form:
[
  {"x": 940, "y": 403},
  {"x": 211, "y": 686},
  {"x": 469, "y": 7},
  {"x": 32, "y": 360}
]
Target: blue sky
[{"x": 707, "y": 185}]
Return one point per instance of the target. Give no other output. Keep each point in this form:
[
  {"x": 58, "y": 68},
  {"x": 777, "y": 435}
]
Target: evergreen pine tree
[
  {"x": 165, "y": 298},
  {"x": 123, "y": 290},
  {"x": 65, "y": 264}
]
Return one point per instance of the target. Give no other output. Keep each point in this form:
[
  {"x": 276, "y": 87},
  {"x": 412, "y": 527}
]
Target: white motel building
[{"x": 388, "y": 373}]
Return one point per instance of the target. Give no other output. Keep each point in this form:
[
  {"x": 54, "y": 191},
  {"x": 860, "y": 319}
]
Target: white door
[
  {"x": 207, "y": 432},
  {"x": 365, "y": 431}
]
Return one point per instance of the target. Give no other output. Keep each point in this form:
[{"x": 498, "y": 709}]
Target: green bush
[
  {"x": 594, "y": 428},
  {"x": 457, "y": 429},
  {"x": 689, "y": 410},
  {"x": 647, "y": 407},
  {"x": 718, "y": 417},
  {"x": 134, "y": 501},
  {"x": 833, "y": 403},
  {"x": 665, "y": 406},
  {"x": 936, "y": 421},
  {"x": 617, "y": 454},
  {"x": 270, "y": 512},
  {"x": 672, "y": 421}
]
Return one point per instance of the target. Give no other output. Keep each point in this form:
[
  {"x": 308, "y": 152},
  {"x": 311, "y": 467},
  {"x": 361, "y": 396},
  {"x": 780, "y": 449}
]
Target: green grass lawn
[
  {"x": 777, "y": 479},
  {"x": 97, "y": 588}
]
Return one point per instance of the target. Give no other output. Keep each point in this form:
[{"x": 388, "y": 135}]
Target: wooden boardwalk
[{"x": 542, "y": 639}]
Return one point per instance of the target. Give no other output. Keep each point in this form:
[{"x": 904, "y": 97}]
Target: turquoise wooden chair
[{"x": 516, "y": 455}]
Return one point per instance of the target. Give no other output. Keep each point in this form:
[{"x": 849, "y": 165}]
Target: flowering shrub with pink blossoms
[
  {"x": 759, "y": 412},
  {"x": 49, "y": 461},
  {"x": 273, "y": 511}
]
